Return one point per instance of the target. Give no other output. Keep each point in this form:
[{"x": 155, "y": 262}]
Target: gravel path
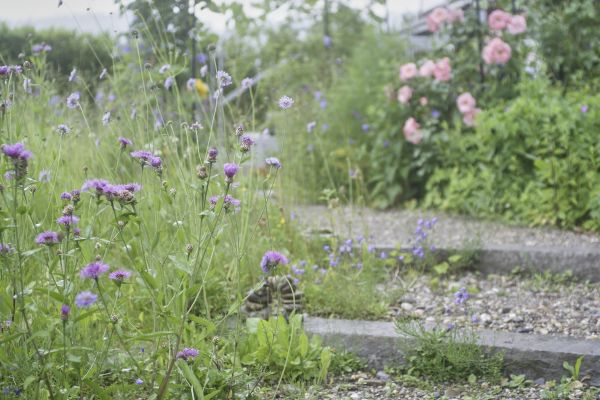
[
  {"x": 510, "y": 303},
  {"x": 364, "y": 386},
  {"x": 396, "y": 227}
]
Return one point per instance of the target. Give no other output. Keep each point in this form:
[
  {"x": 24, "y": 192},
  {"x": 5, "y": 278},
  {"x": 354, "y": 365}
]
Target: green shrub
[{"x": 532, "y": 160}]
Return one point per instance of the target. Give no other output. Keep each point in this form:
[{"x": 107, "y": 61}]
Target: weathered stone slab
[{"x": 536, "y": 356}]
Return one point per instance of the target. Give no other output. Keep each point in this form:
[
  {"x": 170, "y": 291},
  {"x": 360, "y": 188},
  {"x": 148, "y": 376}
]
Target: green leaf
[
  {"x": 189, "y": 375},
  {"x": 149, "y": 279},
  {"x": 303, "y": 345}
]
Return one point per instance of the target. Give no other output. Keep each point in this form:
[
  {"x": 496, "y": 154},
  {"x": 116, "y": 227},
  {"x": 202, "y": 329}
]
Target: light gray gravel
[
  {"x": 366, "y": 386},
  {"x": 509, "y": 303},
  {"x": 396, "y": 227}
]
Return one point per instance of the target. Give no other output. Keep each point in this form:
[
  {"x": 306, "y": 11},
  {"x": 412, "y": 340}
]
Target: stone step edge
[
  {"x": 535, "y": 356},
  {"x": 584, "y": 263}
]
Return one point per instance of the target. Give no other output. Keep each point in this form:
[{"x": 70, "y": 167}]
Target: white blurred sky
[{"x": 103, "y": 15}]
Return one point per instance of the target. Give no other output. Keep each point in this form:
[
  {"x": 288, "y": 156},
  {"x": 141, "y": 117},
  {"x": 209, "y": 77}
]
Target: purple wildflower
[
  {"x": 245, "y": 143},
  {"x": 73, "y": 75},
  {"x": 139, "y": 381},
  {"x": 63, "y": 129},
  {"x": 187, "y": 354},
  {"x": 124, "y": 142},
  {"x": 202, "y": 58},
  {"x": 85, "y": 299},
  {"x": 164, "y": 68},
  {"x": 169, "y": 82},
  {"x": 229, "y": 201},
  {"x": 285, "y": 102},
  {"x": 99, "y": 185},
  {"x": 142, "y": 155},
  {"x": 212, "y": 155},
  {"x": 119, "y": 276},
  {"x": 93, "y": 270},
  {"x": 67, "y": 220},
  {"x": 224, "y": 79},
  {"x": 274, "y": 162},
  {"x": 323, "y": 104},
  {"x": 247, "y": 83},
  {"x": 271, "y": 260},
  {"x": 64, "y": 312},
  {"x": 461, "y": 296},
  {"x": 365, "y": 128},
  {"x": 327, "y": 41},
  {"x": 73, "y": 100},
  {"x": 311, "y": 126},
  {"x": 48, "y": 238},
  {"x": 16, "y": 151},
  {"x": 230, "y": 170},
  {"x": 66, "y": 196},
  {"x": 584, "y": 108},
  {"x": 6, "y": 249}
]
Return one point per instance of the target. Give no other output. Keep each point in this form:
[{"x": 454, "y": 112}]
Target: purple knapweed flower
[
  {"x": 93, "y": 270},
  {"x": 124, "y": 142},
  {"x": 230, "y": 201},
  {"x": 273, "y": 162},
  {"x": 230, "y": 170},
  {"x": 212, "y": 155},
  {"x": 66, "y": 196},
  {"x": 461, "y": 296},
  {"x": 67, "y": 220},
  {"x": 73, "y": 75},
  {"x": 285, "y": 102},
  {"x": 73, "y": 100},
  {"x": 156, "y": 162},
  {"x": 224, "y": 79},
  {"x": 85, "y": 299},
  {"x": 16, "y": 151},
  {"x": 64, "y": 312},
  {"x": 246, "y": 143},
  {"x": 271, "y": 260},
  {"x": 98, "y": 185},
  {"x": 187, "y": 354},
  {"x": 119, "y": 276},
  {"x": 48, "y": 238}
]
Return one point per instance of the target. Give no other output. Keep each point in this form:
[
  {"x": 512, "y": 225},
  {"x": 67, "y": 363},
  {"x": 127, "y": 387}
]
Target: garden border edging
[{"x": 536, "y": 356}]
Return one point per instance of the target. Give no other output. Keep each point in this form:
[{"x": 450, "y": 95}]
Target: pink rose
[
  {"x": 442, "y": 70},
  {"x": 456, "y": 15},
  {"x": 465, "y": 102},
  {"x": 517, "y": 25},
  {"x": 498, "y": 20},
  {"x": 411, "y": 131},
  {"x": 469, "y": 116},
  {"x": 436, "y": 18},
  {"x": 404, "y": 94},
  {"x": 427, "y": 69},
  {"x": 423, "y": 101},
  {"x": 496, "y": 52},
  {"x": 408, "y": 71}
]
